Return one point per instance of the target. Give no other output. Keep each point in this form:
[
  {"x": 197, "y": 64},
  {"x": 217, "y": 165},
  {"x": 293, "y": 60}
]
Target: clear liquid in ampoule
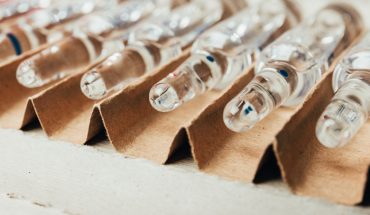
[
  {"x": 219, "y": 55},
  {"x": 58, "y": 13},
  {"x": 18, "y": 7},
  {"x": 350, "y": 106},
  {"x": 32, "y": 31},
  {"x": 151, "y": 45},
  {"x": 81, "y": 49},
  {"x": 124, "y": 16},
  {"x": 287, "y": 69}
]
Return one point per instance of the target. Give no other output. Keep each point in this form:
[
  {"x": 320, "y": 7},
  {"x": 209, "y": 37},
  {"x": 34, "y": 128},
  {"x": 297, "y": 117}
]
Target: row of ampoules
[
  {"x": 11, "y": 9},
  {"x": 157, "y": 31}
]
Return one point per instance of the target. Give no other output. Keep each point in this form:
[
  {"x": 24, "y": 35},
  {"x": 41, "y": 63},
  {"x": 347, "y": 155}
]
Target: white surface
[
  {"x": 77, "y": 179},
  {"x": 12, "y": 205}
]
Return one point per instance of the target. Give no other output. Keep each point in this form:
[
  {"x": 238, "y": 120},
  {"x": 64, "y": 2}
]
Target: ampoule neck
[
  {"x": 24, "y": 37},
  {"x": 309, "y": 49},
  {"x": 184, "y": 22},
  {"x": 312, "y": 42},
  {"x": 110, "y": 23},
  {"x": 358, "y": 87},
  {"x": 356, "y": 60},
  {"x": 163, "y": 38},
  {"x": 58, "y": 14},
  {"x": 149, "y": 51},
  {"x": 217, "y": 64}
]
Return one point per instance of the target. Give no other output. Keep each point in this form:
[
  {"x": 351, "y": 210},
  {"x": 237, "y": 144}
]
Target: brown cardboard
[
  {"x": 137, "y": 130},
  {"x": 238, "y": 156},
  {"x": 339, "y": 175},
  {"x": 66, "y": 114},
  {"x": 15, "y": 108},
  {"x": 232, "y": 6},
  {"x": 219, "y": 152}
]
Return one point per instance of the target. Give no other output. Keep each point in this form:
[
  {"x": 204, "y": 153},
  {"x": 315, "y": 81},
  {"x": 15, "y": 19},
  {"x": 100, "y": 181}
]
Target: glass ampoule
[
  {"x": 88, "y": 43},
  {"x": 15, "y": 8},
  {"x": 32, "y": 31},
  {"x": 289, "y": 67},
  {"x": 58, "y": 13},
  {"x": 151, "y": 45},
  {"x": 350, "y": 107},
  {"x": 111, "y": 23},
  {"x": 220, "y": 55}
]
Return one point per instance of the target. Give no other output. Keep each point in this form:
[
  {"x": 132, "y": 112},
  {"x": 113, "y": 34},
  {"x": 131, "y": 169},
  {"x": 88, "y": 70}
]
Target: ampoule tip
[
  {"x": 240, "y": 115},
  {"x": 93, "y": 86},
  {"x": 27, "y": 75},
  {"x": 331, "y": 133},
  {"x": 163, "y": 97},
  {"x": 338, "y": 123}
]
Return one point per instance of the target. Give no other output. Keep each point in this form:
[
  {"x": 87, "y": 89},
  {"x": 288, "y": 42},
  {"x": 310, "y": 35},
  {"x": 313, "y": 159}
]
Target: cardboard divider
[
  {"x": 16, "y": 109},
  {"x": 340, "y": 174},
  {"x": 66, "y": 114},
  {"x": 137, "y": 130},
  {"x": 242, "y": 156},
  {"x": 238, "y": 156},
  {"x": 233, "y": 6}
]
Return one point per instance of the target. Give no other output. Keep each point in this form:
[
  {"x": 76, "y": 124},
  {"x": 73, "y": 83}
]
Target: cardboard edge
[
  {"x": 97, "y": 118},
  {"x": 134, "y": 89},
  {"x": 268, "y": 161},
  {"x": 27, "y": 114},
  {"x": 211, "y": 108},
  {"x": 279, "y": 154},
  {"x": 180, "y": 140},
  {"x": 214, "y": 106},
  {"x": 298, "y": 109},
  {"x": 59, "y": 85},
  {"x": 99, "y": 108}
]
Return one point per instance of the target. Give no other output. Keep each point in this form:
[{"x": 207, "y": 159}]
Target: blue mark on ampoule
[
  {"x": 284, "y": 73},
  {"x": 15, "y": 42},
  {"x": 248, "y": 110},
  {"x": 210, "y": 58}
]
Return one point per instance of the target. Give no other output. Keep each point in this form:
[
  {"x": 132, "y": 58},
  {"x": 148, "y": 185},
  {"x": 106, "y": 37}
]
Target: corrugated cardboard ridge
[
  {"x": 66, "y": 114},
  {"x": 136, "y": 129},
  {"x": 16, "y": 109},
  {"x": 237, "y": 156},
  {"x": 339, "y": 175}
]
